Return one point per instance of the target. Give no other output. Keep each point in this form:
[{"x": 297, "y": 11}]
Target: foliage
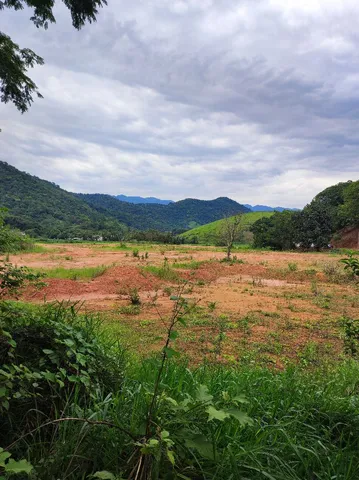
[
  {"x": 13, "y": 279},
  {"x": 351, "y": 264},
  {"x": 313, "y": 227},
  {"x": 169, "y": 218},
  {"x": 210, "y": 234},
  {"x": 351, "y": 336},
  {"x": 15, "y": 85},
  {"x": 231, "y": 232},
  {"x": 208, "y": 423},
  {"x": 276, "y": 231},
  {"x": 42, "y": 209}
]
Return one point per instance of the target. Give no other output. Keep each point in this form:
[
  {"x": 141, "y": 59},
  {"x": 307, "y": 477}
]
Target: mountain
[
  {"x": 175, "y": 216},
  {"x": 266, "y": 208},
  {"x": 42, "y": 209},
  {"x": 136, "y": 200},
  {"x": 210, "y": 234}
]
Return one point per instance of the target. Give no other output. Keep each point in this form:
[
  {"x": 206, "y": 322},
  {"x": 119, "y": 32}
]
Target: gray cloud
[{"x": 257, "y": 100}]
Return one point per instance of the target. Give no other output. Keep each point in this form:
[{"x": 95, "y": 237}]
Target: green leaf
[
  {"x": 182, "y": 321},
  {"x": 214, "y": 414},
  {"x": 22, "y": 466},
  {"x": 2, "y": 391},
  {"x": 240, "y": 399},
  {"x": 174, "y": 335},
  {"x": 104, "y": 475},
  {"x": 203, "y": 395},
  {"x": 171, "y": 353},
  {"x": 47, "y": 351},
  {"x": 3, "y": 457},
  {"x": 201, "y": 444},
  {"x": 242, "y": 417},
  {"x": 171, "y": 457}
]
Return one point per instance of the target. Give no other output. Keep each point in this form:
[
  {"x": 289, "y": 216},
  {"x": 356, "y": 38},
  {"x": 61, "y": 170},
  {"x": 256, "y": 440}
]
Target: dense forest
[
  {"x": 330, "y": 211},
  {"x": 42, "y": 209},
  {"x": 178, "y": 216}
]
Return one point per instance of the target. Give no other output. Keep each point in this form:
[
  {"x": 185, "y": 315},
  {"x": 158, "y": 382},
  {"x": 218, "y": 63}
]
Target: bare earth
[{"x": 274, "y": 308}]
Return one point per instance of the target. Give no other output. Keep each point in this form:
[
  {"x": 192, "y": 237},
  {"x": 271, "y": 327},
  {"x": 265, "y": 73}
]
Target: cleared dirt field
[{"x": 266, "y": 307}]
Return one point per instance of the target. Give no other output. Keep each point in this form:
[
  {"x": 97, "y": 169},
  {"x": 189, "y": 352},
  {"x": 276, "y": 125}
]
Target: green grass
[
  {"x": 209, "y": 234},
  {"x": 303, "y": 422},
  {"x": 84, "y": 273},
  {"x": 165, "y": 272}
]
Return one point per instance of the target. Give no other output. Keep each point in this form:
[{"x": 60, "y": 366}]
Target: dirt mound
[
  {"x": 115, "y": 281},
  {"x": 346, "y": 238}
]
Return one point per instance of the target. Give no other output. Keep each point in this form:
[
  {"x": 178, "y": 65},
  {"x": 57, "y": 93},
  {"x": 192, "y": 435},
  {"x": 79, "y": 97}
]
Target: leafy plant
[
  {"x": 351, "y": 264},
  {"x": 351, "y": 336},
  {"x": 13, "y": 279}
]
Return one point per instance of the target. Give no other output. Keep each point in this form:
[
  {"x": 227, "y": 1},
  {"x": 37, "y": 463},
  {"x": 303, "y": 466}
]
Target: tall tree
[{"x": 15, "y": 85}]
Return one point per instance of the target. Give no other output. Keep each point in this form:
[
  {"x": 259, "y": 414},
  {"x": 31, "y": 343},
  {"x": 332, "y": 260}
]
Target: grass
[
  {"x": 209, "y": 234},
  {"x": 298, "y": 424},
  {"x": 84, "y": 273},
  {"x": 165, "y": 272}
]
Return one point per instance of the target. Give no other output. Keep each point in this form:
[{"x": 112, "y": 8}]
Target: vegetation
[
  {"x": 73, "y": 406},
  {"x": 175, "y": 217},
  {"x": 210, "y": 234},
  {"x": 231, "y": 232},
  {"x": 74, "y": 273},
  {"x": 15, "y": 85},
  {"x": 331, "y": 210},
  {"x": 42, "y": 209}
]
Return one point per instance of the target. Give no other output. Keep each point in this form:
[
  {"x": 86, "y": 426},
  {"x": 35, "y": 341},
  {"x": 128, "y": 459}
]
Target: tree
[
  {"x": 15, "y": 85},
  {"x": 276, "y": 232},
  {"x": 350, "y": 208},
  {"x": 230, "y": 232},
  {"x": 314, "y": 226}
]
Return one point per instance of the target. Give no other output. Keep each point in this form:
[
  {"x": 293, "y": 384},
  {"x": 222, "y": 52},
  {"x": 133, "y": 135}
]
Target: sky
[{"x": 256, "y": 100}]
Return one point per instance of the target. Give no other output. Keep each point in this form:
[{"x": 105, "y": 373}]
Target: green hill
[
  {"x": 177, "y": 216},
  {"x": 43, "y": 209},
  {"x": 210, "y": 234}
]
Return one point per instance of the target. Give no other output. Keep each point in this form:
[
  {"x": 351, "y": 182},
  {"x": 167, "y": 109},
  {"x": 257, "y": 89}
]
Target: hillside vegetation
[
  {"x": 320, "y": 222},
  {"x": 178, "y": 216},
  {"x": 210, "y": 233},
  {"x": 43, "y": 209}
]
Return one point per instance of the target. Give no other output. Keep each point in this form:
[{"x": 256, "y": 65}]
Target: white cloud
[{"x": 256, "y": 100}]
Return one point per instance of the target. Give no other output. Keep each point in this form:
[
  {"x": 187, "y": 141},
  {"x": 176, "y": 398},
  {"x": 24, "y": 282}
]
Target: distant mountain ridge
[
  {"x": 43, "y": 209},
  {"x": 266, "y": 208},
  {"x": 176, "y": 216},
  {"x": 137, "y": 200}
]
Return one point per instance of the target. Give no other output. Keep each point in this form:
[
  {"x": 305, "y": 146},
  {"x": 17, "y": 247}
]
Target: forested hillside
[
  {"x": 43, "y": 209},
  {"x": 331, "y": 211},
  {"x": 176, "y": 216}
]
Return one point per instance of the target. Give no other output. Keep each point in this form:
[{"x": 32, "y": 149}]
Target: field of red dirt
[{"x": 266, "y": 307}]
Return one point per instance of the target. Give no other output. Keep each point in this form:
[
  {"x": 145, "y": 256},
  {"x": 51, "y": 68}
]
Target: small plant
[
  {"x": 135, "y": 253},
  {"x": 351, "y": 336},
  {"x": 351, "y": 264},
  {"x": 130, "y": 309},
  {"x": 13, "y": 279},
  {"x": 134, "y": 297},
  {"x": 292, "y": 267},
  {"x": 211, "y": 306}
]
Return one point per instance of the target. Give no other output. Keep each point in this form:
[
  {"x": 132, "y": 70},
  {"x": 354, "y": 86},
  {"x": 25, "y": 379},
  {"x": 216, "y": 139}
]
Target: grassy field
[{"x": 210, "y": 234}]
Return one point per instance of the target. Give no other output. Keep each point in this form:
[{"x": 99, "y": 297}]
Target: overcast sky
[{"x": 256, "y": 100}]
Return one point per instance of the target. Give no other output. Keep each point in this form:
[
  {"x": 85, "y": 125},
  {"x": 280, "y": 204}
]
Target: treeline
[{"x": 313, "y": 227}]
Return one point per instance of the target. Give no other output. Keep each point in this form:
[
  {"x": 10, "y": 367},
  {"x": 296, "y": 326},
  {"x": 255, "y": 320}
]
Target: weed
[
  {"x": 292, "y": 267},
  {"x": 130, "y": 309},
  {"x": 135, "y": 253},
  {"x": 134, "y": 296}
]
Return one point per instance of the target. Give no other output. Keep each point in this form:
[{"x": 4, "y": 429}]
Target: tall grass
[{"x": 305, "y": 424}]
